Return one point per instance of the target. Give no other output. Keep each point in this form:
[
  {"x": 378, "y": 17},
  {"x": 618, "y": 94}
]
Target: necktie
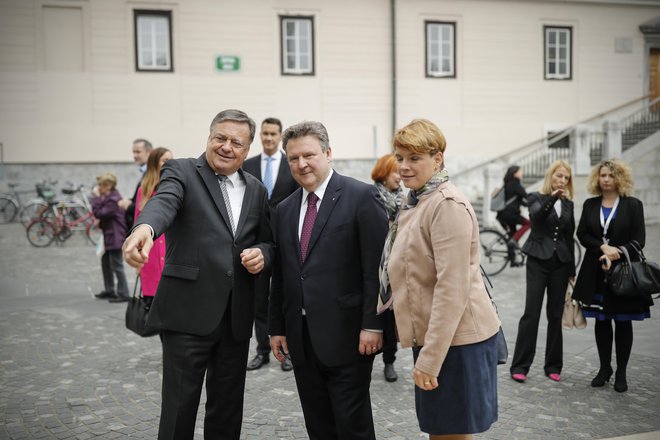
[
  {"x": 225, "y": 195},
  {"x": 268, "y": 175},
  {"x": 308, "y": 224}
]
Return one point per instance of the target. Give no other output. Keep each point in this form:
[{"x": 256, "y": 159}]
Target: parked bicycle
[
  {"x": 12, "y": 207},
  {"x": 66, "y": 218},
  {"x": 497, "y": 253}
]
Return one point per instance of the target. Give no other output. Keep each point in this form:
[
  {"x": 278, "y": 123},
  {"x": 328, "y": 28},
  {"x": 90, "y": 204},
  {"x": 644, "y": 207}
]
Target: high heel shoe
[
  {"x": 620, "y": 383},
  {"x": 602, "y": 377}
]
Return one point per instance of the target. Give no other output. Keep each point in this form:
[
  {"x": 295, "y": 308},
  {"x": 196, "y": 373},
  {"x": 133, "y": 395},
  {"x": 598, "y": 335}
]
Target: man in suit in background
[
  {"x": 141, "y": 149},
  {"x": 216, "y": 221},
  {"x": 272, "y": 169},
  {"x": 329, "y": 236}
]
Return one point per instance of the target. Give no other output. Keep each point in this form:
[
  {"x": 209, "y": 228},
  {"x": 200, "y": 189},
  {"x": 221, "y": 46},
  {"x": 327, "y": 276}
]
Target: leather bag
[
  {"x": 572, "y": 316},
  {"x": 634, "y": 278},
  {"x": 137, "y": 312}
]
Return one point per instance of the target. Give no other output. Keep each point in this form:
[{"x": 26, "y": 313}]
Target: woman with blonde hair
[
  {"x": 152, "y": 270},
  {"x": 611, "y": 220},
  {"x": 550, "y": 265},
  {"x": 430, "y": 274}
]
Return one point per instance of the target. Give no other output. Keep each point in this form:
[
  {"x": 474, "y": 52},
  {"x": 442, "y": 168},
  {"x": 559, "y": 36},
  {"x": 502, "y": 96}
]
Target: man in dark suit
[
  {"x": 141, "y": 150},
  {"x": 272, "y": 169},
  {"x": 216, "y": 221},
  {"x": 330, "y": 236}
]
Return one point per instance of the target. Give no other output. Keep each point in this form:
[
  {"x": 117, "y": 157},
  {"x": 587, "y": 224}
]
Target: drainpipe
[{"x": 393, "y": 48}]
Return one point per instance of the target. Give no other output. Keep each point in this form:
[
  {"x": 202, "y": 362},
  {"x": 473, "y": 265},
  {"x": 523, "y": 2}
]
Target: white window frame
[
  {"x": 150, "y": 22},
  {"x": 563, "y": 66},
  {"x": 298, "y": 52},
  {"x": 440, "y": 49}
]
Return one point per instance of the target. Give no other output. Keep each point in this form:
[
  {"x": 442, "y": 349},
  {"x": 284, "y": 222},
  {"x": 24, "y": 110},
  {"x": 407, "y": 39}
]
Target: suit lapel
[
  {"x": 213, "y": 186},
  {"x": 330, "y": 198},
  {"x": 250, "y": 194},
  {"x": 292, "y": 219},
  {"x": 281, "y": 172}
]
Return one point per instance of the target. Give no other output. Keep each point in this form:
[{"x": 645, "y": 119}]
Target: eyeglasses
[{"x": 236, "y": 144}]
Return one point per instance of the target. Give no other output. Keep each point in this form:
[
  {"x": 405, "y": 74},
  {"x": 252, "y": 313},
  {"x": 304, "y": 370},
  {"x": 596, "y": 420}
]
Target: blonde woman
[{"x": 550, "y": 265}]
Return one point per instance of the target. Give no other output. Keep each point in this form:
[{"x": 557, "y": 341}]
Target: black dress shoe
[
  {"x": 118, "y": 299},
  {"x": 258, "y": 361},
  {"x": 390, "y": 373},
  {"x": 620, "y": 382},
  {"x": 602, "y": 377},
  {"x": 104, "y": 294},
  {"x": 287, "y": 365}
]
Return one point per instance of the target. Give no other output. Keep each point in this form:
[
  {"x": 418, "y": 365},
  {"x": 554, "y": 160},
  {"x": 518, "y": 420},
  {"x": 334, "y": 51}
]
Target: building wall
[{"x": 88, "y": 104}]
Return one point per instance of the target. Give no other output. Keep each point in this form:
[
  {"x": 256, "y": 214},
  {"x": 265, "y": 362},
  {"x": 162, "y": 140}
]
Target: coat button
[
  {"x": 302, "y": 277},
  {"x": 229, "y": 273}
]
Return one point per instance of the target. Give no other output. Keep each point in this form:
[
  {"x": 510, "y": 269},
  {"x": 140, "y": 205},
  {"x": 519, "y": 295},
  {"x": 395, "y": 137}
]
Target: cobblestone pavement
[{"x": 70, "y": 370}]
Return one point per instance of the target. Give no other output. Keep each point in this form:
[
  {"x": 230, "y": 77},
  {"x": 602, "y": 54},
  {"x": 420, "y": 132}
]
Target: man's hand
[
  {"x": 424, "y": 381},
  {"x": 252, "y": 260},
  {"x": 124, "y": 203},
  {"x": 370, "y": 342},
  {"x": 279, "y": 347},
  {"x": 137, "y": 246}
]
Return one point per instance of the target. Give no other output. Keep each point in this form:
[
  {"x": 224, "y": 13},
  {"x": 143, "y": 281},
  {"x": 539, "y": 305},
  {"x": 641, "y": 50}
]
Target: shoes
[
  {"x": 602, "y": 377},
  {"x": 390, "y": 373},
  {"x": 118, "y": 299},
  {"x": 554, "y": 376},
  {"x": 620, "y": 382},
  {"x": 104, "y": 294},
  {"x": 258, "y": 361},
  {"x": 287, "y": 365},
  {"x": 519, "y": 377}
]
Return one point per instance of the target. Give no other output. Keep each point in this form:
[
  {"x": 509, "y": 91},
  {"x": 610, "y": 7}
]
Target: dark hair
[
  {"x": 235, "y": 116},
  {"x": 508, "y": 176},
  {"x": 307, "y": 128},
  {"x": 273, "y": 121},
  {"x": 146, "y": 143}
]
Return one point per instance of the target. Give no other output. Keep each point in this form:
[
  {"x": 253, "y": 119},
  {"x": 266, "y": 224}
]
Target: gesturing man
[
  {"x": 216, "y": 221},
  {"x": 330, "y": 236}
]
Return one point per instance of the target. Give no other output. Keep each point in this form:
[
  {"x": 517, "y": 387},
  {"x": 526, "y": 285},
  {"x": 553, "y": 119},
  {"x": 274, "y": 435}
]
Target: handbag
[
  {"x": 497, "y": 200},
  {"x": 572, "y": 316},
  {"x": 500, "y": 340},
  {"x": 634, "y": 278},
  {"x": 137, "y": 312}
]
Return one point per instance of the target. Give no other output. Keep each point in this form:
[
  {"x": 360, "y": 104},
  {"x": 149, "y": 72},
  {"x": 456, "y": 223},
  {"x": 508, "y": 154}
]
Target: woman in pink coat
[{"x": 152, "y": 270}]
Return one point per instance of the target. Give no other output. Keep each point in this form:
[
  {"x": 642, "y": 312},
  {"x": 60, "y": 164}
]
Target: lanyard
[{"x": 605, "y": 222}]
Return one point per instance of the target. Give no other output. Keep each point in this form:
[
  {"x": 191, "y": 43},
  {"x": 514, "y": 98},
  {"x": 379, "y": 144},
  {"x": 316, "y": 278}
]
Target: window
[
  {"x": 557, "y": 55},
  {"x": 440, "y": 50},
  {"x": 153, "y": 42},
  {"x": 297, "y": 45}
]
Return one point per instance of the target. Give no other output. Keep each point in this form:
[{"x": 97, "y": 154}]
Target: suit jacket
[
  {"x": 203, "y": 277},
  {"x": 627, "y": 225},
  {"x": 284, "y": 185},
  {"x": 550, "y": 233},
  {"x": 337, "y": 285}
]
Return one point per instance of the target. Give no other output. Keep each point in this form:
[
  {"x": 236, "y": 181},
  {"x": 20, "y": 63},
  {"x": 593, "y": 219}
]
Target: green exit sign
[{"x": 227, "y": 63}]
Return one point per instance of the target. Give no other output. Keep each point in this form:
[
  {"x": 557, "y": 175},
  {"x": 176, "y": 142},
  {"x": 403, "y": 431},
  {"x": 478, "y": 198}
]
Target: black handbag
[
  {"x": 634, "y": 278},
  {"x": 500, "y": 341},
  {"x": 137, "y": 312}
]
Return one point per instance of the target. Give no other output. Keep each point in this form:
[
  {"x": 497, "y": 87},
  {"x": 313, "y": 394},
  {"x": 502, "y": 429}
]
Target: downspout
[{"x": 393, "y": 49}]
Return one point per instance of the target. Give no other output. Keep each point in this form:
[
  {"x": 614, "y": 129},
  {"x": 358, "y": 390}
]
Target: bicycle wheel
[
  {"x": 494, "y": 251},
  {"x": 93, "y": 233},
  {"x": 32, "y": 210},
  {"x": 8, "y": 209},
  {"x": 41, "y": 233}
]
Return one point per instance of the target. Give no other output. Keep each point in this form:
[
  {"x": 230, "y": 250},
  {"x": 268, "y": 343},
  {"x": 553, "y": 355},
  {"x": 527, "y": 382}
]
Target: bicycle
[
  {"x": 499, "y": 250},
  {"x": 11, "y": 205},
  {"x": 66, "y": 219}
]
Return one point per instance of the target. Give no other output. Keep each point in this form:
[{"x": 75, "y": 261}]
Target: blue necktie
[{"x": 268, "y": 175}]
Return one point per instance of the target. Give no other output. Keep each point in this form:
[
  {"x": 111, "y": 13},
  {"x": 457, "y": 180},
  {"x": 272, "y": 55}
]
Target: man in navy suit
[
  {"x": 216, "y": 221},
  {"x": 330, "y": 236},
  {"x": 272, "y": 169}
]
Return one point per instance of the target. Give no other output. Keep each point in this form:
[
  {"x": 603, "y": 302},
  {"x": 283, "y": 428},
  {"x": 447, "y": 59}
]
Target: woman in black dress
[{"x": 509, "y": 217}]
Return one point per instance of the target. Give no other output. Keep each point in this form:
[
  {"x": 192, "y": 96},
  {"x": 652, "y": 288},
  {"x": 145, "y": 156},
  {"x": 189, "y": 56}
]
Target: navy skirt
[{"x": 465, "y": 401}]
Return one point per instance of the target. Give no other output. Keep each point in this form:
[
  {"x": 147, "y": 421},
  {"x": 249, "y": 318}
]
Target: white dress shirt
[
  {"x": 320, "y": 192},
  {"x": 236, "y": 190}
]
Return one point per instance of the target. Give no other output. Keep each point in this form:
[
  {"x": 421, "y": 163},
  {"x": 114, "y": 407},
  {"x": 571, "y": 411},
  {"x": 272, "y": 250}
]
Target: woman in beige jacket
[{"x": 442, "y": 309}]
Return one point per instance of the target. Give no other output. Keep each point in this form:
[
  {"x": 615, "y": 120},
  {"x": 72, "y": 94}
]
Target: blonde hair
[
  {"x": 420, "y": 136},
  {"x": 152, "y": 174},
  {"x": 622, "y": 177},
  {"x": 546, "y": 188},
  {"x": 107, "y": 178}
]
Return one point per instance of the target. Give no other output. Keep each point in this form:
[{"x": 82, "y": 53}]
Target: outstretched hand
[{"x": 137, "y": 246}]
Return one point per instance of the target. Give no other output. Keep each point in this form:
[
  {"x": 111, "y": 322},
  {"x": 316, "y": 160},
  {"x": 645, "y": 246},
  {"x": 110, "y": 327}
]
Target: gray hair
[
  {"x": 146, "y": 143},
  {"x": 307, "y": 128},
  {"x": 235, "y": 116}
]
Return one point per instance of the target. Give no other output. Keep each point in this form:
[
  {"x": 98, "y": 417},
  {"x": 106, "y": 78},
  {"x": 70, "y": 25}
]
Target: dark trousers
[
  {"x": 186, "y": 358},
  {"x": 552, "y": 275},
  {"x": 389, "y": 337},
  {"x": 261, "y": 291},
  {"x": 335, "y": 400},
  {"x": 112, "y": 264}
]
